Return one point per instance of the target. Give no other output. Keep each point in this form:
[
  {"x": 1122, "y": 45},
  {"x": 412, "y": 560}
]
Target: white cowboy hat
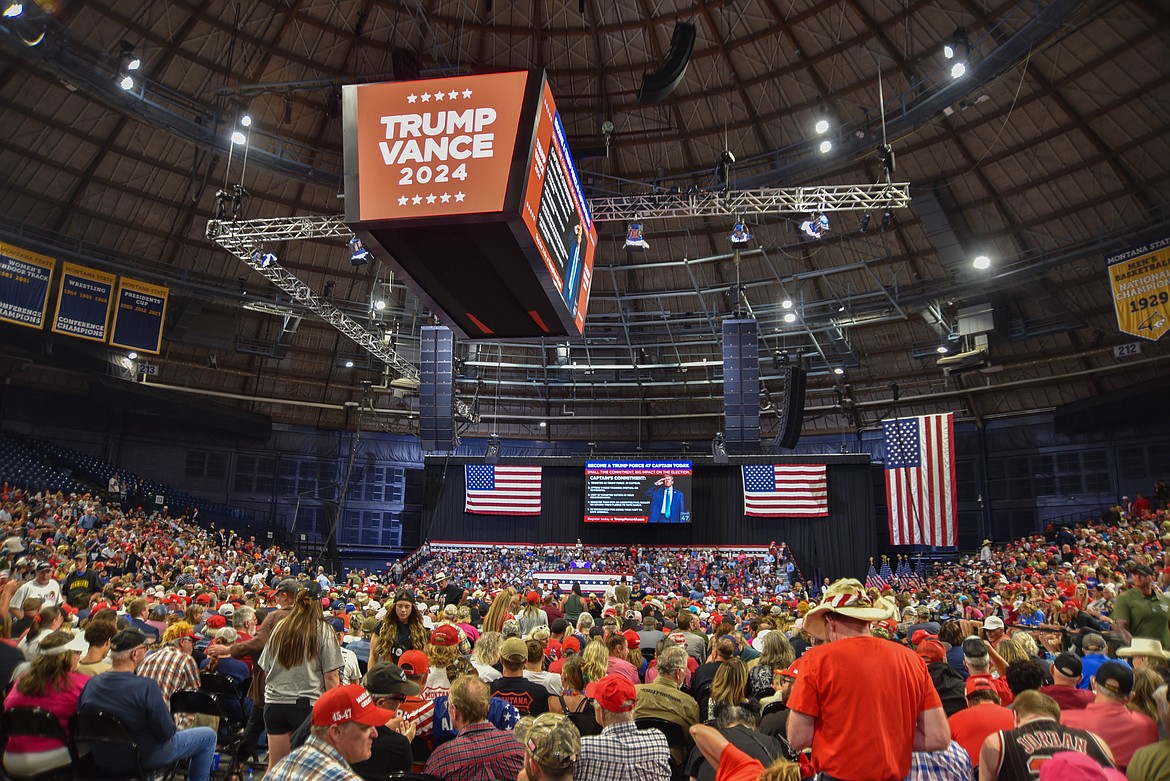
[
  {"x": 1144, "y": 646},
  {"x": 848, "y": 598}
]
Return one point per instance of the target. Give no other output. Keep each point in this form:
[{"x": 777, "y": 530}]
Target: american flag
[
  {"x": 920, "y": 480},
  {"x": 502, "y": 490},
  {"x": 887, "y": 574},
  {"x": 873, "y": 579},
  {"x": 785, "y": 491}
]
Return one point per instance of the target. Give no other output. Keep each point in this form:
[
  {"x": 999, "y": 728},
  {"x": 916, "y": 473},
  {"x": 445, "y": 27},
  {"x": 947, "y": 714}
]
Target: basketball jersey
[{"x": 1030, "y": 745}]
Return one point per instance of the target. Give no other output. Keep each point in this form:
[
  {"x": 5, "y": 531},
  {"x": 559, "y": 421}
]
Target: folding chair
[
  {"x": 675, "y": 736},
  {"x": 97, "y": 729},
  {"x": 38, "y": 723}
]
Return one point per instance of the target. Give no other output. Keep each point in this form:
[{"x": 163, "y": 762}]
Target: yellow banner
[
  {"x": 83, "y": 302},
  {"x": 1140, "y": 281}
]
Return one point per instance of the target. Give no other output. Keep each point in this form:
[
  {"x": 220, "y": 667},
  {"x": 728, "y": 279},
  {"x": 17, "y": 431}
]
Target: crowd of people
[{"x": 1040, "y": 658}]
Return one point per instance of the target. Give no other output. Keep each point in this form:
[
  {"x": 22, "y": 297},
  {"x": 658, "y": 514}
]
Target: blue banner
[
  {"x": 138, "y": 318},
  {"x": 83, "y": 302},
  {"x": 24, "y": 286}
]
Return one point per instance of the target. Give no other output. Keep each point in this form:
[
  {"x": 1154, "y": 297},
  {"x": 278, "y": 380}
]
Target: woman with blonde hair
[
  {"x": 52, "y": 683},
  {"x": 1145, "y": 683},
  {"x": 729, "y": 686},
  {"x": 499, "y": 610},
  {"x": 441, "y": 651},
  {"x": 486, "y": 655},
  {"x": 572, "y": 699},
  {"x": 302, "y": 660},
  {"x": 776, "y": 653},
  {"x": 595, "y": 660},
  {"x": 1010, "y": 651}
]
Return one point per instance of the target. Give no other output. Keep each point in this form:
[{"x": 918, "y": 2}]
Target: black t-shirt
[
  {"x": 765, "y": 748},
  {"x": 704, "y": 675},
  {"x": 528, "y": 697},
  {"x": 390, "y": 754},
  {"x": 450, "y": 595}
]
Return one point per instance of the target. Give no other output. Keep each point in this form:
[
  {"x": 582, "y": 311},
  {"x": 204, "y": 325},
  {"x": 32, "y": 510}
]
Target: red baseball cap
[
  {"x": 573, "y": 643},
  {"x": 613, "y": 693},
  {"x": 445, "y": 635},
  {"x": 348, "y": 703},
  {"x": 532, "y": 598},
  {"x": 932, "y": 650},
  {"x": 632, "y": 639},
  {"x": 790, "y": 671},
  {"x": 414, "y": 663}
]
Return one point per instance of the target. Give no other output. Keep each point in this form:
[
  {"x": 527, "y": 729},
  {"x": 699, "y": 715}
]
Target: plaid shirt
[
  {"x": 316, "y": 760},
  {"x": 172, "y": 670},
  {"x": 950, "y": 764},
  {"x": 622, "y": 752},
  {"x": 480, "y": 753}
]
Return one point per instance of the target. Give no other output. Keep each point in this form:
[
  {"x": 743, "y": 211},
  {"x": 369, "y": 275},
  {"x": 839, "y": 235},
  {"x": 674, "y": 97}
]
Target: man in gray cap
[{"x": 286, "y": 592}]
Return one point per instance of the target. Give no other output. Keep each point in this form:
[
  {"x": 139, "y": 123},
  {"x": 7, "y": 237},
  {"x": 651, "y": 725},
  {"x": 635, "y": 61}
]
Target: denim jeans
[{"x": 197, "y": 743}]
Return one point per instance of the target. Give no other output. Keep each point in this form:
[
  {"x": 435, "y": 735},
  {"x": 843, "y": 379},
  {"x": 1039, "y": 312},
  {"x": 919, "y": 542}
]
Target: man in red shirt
[
  {"x": 978, "y": 663},
  {"x": 1123, "y": 730},
  {"x": 855, "y": 681},
  {"x": 1066, "y": 674},
  {"x": 983, "y": 716}
]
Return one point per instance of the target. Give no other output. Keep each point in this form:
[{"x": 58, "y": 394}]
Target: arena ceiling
[{"x": 1049, "y": 153}]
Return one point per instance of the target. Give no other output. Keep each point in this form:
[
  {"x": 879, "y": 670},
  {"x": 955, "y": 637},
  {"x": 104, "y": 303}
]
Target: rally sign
[
  {"x": 24, "y": 286},
  {"x": 138, "y": 318},
  {"x": 436, "y": 147},
  {"x": 83, "y": 302},
  {"x": 1140, "y": 281}
]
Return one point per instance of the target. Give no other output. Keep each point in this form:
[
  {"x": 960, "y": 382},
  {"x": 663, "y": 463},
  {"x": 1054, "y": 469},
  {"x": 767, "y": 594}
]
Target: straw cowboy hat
[
  {"x": 848, "y": 598},
  {"x": 1144, "y": 646}
]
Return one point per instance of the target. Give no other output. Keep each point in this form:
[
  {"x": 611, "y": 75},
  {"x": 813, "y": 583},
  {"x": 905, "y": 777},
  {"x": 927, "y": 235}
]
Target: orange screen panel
[{"x": 437, "y": 147}]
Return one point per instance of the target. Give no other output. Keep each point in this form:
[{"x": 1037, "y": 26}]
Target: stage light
[
  {"x": 327, "y": 292},
  {"x": 379, "y": 305},
  {"x": 865, "y": 223},
  {"x": 239, "y": 138},
  {"x": 719, "y": 449},
  {"x": 263, "y": 259},
  {"x": 13, "y": 10},
  {"x": 825, "y": 146},
  {"x": 132, "y": 356},
  {"x": 543, "y": 424},
  {"x": 790, "y": 317},
  {"x": 493, "y": 450},
  {"x": 359, "y": 255},
  {"x": 958, "y": 70},
  {"x": 815, "y": 226},
  {"x": 786, "y": 303},
  {"x": 349, "y": 364},
  {"x": 134, "y": 64},
  {"x": 981, "y": 262},
  {"x": 887, "y": 221},
  {"x": 949, "y": 51},
  {"x": 635, "y": 239},
  {"x": 838, "y": 370},
  {"x": 740, "y": 234},
  {"x": 246, "y": 121},
  {"x": 126, "y": 83},
  {"x": 822, "y": 126},
  {"x": 942, "y": 349}
]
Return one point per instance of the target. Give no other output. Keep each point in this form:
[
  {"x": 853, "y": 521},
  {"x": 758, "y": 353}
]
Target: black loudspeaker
[
  {"x": 792, "y": 416},
  {"x": 657, "y": 85},
  {"x": 741, "y": 381},
  {"x": 436, "y": 391}
]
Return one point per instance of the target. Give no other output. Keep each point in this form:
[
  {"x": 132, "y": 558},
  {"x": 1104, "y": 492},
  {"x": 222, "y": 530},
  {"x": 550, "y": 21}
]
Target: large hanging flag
[
  {"x": 785, "y": 490},
  {"x": 920, "y": 480},
  {"x": 502, "y": 490}
]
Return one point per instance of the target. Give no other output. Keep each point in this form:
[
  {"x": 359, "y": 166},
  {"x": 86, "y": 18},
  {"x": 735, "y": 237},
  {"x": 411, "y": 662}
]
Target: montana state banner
[{"x": 1140, "y": 280}]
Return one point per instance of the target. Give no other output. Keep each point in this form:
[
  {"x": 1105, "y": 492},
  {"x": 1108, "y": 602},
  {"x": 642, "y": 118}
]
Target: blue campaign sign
[
  {"x": 24, "y": 286},
  {"x": 138, "y": 317},
  {"x": 83, "y": 302}
]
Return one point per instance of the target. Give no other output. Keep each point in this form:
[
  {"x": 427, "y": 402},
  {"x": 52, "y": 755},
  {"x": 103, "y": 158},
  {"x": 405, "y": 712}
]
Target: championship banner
[
  {"x": 83, "y": 303},
  {"x": 1140, "y": 280},
  {"x": 436, "y": 147},
  {"x": 138, "y": 318},
  {"x": 24, "y": 286}
]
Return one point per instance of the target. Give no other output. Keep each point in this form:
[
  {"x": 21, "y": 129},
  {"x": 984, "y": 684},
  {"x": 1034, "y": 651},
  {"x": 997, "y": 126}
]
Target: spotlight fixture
[
  {"x": 126, "y": 83},
  {"x": 949, "y": 50},
  {"x": 942, "y": 349},
  {"x": 822, "y": 126},
  {"x": 327, "y": 292},
  {"x": 815, "y": 226},
  {"x": 887, "y": 221},
  {"x": 132, "y": 356},
  {"x": 981, "y": 262},
  {"x": 544, "y": 424},
  {"x": 838, "y": 371},
  {"x": 237, "y": 136},
  {"x": 246, "y": 121},
  {"x": 865, "y": 219},
  {"x": 790, "y": 317},
  {"x": 724, "y": 169},
  {"x": 349, "y": 364},
  {"x": 825, "y": 146},
  {"x": 379, "y": 305},
  {"x": 635, "y": 239},
  {"x": 134, "y": 64},
  {"x": 13, "y": 10},
  {"x": 740, "y": 234},
  {"x": 493, "y": 450},
  {"x": 359, "y": 255},
  {"x": 786, "y": 303},
  {"x": 958, "y": 70}
]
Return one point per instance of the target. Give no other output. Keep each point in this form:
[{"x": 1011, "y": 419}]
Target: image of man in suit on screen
[{"x": 667, "y": 504}]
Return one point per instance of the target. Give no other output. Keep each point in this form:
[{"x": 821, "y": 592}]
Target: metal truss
[
  {"x": 243, "y": 238},
  {"x": 741, "y": 203}
]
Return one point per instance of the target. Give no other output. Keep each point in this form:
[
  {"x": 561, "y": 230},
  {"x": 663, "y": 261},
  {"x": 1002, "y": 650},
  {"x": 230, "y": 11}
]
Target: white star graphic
[
  {"x": 411, "y": 98},
  {"x": 426, "y": 96},
  {"x": 453, "y": 94},
  {"x": 439, "y": 96},
  {"x": 431, "y": 198},
  {"x": 416, "y": 200},
  {"x": 402, "y": 200},
  {"x": 467, "y": 93},
  {"x": 459, "y": 197},
  {"x": 445, "y": 197}
]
